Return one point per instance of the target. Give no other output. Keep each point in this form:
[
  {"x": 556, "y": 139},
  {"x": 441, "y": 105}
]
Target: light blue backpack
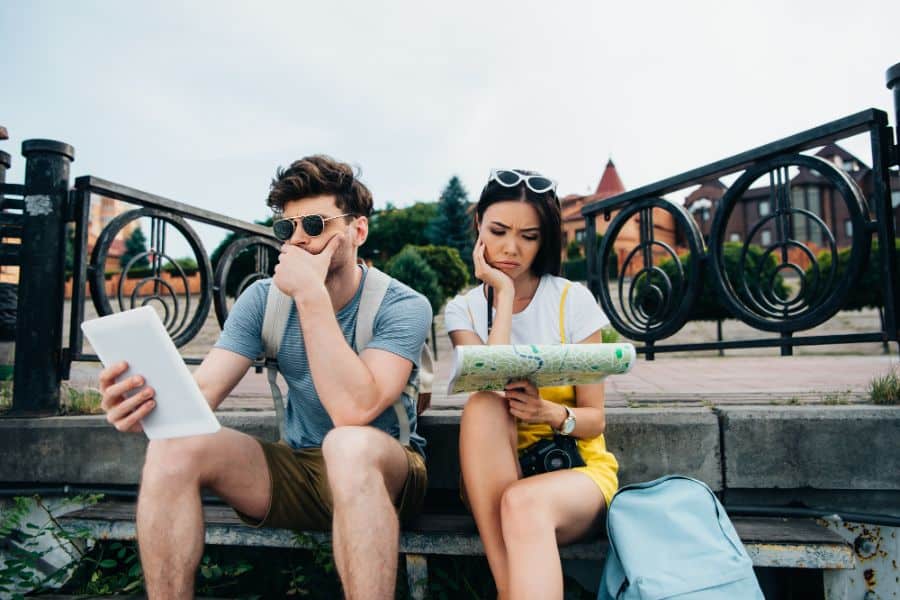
[{"x": 671, "y": 538}]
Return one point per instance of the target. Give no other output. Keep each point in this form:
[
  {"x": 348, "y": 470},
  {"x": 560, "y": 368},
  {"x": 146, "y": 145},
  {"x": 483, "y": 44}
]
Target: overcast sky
[{"x": 201, "y": 101}]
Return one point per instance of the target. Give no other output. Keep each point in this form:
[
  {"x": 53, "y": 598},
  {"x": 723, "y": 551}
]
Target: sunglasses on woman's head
[
  {"x": 313, "y": 225},
  {"x": 511, "y": 178}
]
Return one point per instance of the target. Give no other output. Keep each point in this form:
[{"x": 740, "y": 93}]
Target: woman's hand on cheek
[{"x": 495, "y": 278}]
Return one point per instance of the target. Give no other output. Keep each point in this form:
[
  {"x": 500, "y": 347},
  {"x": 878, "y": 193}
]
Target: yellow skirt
[{"x": 600, "y": 464}]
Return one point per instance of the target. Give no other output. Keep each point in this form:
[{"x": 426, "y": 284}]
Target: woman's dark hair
[
  {"x": 316, "y": 176},
  {"x": 547, "y": 206}
]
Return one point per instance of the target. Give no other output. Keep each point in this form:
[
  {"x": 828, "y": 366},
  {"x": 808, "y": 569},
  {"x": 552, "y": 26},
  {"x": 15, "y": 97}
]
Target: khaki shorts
[{"x": 301, "y": 497}]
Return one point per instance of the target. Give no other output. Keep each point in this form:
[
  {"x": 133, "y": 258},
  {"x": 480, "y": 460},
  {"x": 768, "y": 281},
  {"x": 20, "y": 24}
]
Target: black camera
[{"x": 544, "y": 456}]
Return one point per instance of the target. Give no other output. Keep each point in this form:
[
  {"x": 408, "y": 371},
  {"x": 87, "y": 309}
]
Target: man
[{"x": 340, "y": 465}]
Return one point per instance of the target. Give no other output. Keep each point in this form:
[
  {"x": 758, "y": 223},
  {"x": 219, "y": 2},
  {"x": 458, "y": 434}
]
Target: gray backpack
[{"x": 278, "y": 308}]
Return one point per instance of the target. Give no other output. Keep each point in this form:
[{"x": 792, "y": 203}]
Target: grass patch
[
  {"x": 72, "y": 401},
  {"x": 835, "y": 398},
  {"x": 885, "y": 389},
  {"x": 6, "y": 394}
]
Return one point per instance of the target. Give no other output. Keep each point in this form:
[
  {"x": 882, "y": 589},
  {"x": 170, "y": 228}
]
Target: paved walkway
[{"x": 733, "y": 379}]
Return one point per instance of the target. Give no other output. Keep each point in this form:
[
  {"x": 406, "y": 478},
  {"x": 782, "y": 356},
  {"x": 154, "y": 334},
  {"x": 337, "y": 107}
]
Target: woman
[{"x": 523, "y": 519}]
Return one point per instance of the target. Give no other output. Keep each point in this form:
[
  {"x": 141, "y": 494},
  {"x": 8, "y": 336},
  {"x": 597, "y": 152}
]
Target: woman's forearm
[{"x": 501, "y": 329}]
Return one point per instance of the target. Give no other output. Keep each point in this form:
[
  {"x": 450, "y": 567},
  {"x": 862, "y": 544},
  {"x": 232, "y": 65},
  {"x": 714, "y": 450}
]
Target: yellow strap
[{"x": 562, "y": 312}]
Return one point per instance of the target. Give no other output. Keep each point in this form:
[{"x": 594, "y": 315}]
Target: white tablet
[{"x": 138, "y": 337}]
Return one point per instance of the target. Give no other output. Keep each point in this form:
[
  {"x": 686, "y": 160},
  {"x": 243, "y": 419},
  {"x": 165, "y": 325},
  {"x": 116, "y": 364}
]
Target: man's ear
[{"x": 361, "y": 230}]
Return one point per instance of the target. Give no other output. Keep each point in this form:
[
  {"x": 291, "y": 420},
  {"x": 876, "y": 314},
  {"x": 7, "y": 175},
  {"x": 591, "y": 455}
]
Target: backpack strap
[
  {"x": 278, "y": 309},
  {"x": 374, "y": 289}
]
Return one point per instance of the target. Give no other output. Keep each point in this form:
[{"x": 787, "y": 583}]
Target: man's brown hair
[{"x": 320, "y": 175}]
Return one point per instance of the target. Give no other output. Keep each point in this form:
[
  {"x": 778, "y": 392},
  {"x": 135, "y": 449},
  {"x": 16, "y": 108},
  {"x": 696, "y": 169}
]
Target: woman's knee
[
  {"x": 485, "y": 409},
  {"x": 524, "y": 510}
]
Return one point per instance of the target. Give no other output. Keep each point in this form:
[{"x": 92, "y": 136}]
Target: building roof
[{"x": 610, "y": 183}]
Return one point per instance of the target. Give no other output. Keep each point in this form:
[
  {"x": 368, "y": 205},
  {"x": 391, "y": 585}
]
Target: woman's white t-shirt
[{"x": 539, "y": 322}]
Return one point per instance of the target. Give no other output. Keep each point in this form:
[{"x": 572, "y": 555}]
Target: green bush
[
  {"x": 453, "y": 275},
  {"x": 609, "y": 335},
  {"x": 573, "y": 250},
  {"x": 575, "y": 269},
  {"x": 868, "y": 290},
  {"x": 707, "y": 307},
  {"x": 139, "y": 272},
  {"x": 409, "y": 267},
  {"x": 187, "y": 264}
]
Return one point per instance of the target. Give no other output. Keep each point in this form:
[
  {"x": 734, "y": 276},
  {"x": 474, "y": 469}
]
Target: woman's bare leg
[
  {"x": 489, "y": 463},
  {"x": 537, "y": 515}
]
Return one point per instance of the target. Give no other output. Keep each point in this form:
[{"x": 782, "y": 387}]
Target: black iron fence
[
  {"x": 650, "y": 288},
  {"x": 39, "y": 218}
]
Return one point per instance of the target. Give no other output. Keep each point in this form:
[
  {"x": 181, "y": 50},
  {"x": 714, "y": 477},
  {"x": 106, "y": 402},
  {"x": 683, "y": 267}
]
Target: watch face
[{"x": 569, "y": 424}]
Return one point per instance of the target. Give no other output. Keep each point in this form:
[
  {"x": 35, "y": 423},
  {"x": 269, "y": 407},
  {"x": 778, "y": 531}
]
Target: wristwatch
[{"x": 568, "y": 425}]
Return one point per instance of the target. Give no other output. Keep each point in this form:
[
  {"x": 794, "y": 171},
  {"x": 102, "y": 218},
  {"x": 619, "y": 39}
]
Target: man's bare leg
[
  {"x": 366, "y": 472},
  {"x": 169, "y": 513}
]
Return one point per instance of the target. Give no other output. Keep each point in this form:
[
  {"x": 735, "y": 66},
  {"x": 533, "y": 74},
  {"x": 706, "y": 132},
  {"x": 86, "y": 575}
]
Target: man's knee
[
  {"x": 176, "y": 461},
  {"x": 354, "y": 458}
]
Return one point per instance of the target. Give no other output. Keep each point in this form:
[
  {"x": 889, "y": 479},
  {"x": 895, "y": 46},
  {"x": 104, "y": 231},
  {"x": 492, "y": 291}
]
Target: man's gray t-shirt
[{"x": 401, "y": 326}]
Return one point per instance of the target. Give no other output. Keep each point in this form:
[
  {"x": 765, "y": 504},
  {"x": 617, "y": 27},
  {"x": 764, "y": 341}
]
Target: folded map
[{"x": 480, "y": 368}]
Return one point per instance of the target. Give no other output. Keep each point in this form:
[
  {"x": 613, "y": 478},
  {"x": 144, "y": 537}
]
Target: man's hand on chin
[{"x": 299, "y": 271}]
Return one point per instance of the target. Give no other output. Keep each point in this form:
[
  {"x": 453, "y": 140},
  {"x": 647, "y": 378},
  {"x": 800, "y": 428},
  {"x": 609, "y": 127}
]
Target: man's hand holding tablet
[
  {"x": 124, "y": 411},
  {"x": 146, "y": 386}
]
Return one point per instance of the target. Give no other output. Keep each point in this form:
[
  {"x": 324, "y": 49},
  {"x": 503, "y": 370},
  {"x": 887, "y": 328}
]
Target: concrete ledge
[
  {"x": 765, "y": 447},
  {"x": 834, "y": 447},
  {"x": 86, "y": 450},
  {"x": 650, "y": 443}
]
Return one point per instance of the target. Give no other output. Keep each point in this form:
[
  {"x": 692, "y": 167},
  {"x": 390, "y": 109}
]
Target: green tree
[
  {"x": 448, "y": 266},
  {"x": 453, "y": 224},
  {"x": 409, "y": 267},
  {"x": 393, "y": 228},
  {"x": 135, "y": 244},
  {"x": 244, "y": 263}
]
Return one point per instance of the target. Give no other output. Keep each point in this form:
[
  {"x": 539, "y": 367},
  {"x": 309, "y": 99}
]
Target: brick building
[
  {"x": 808, "y": 189},
  {"x": 611, "y": 185}
]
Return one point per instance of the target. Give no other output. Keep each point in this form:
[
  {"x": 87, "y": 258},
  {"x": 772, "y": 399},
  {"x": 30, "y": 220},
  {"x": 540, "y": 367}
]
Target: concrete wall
[
  {"x": 831, "y": 447},
  {"x": 746, "y": 449}
]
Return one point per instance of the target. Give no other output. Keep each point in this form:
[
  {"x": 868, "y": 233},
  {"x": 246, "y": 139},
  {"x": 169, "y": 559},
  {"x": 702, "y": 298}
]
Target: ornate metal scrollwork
[
  {"x": 264, "y": 264},
  {"x": 752, "y": 294},
  {"x": 651, "y": 304},
  {"x": 154, "y": 288}
]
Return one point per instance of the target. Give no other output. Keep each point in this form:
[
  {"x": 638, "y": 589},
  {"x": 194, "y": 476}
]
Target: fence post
[
  {"x": 42, "y": 258},
  {"x": 5, "y": 160},
  {"x": 893, "y": 84}
]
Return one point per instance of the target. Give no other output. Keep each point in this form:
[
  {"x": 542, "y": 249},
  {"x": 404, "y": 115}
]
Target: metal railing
[
  {"x": 649, "y": 301},
  {"x": 34, "y": 220}
]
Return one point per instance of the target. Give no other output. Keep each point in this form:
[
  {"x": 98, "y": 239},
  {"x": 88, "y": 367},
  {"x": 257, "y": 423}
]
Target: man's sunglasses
[
  {"x": 313, "y": 225},
  {"x": 511, "y": 178}
]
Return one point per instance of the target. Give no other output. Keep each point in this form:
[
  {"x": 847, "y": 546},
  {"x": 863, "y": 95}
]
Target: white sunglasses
[{"x": 511, "y": 178}]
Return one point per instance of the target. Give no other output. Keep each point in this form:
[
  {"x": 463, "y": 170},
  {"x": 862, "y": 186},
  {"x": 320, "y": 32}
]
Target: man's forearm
[{"x": 343, "y": 382}]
